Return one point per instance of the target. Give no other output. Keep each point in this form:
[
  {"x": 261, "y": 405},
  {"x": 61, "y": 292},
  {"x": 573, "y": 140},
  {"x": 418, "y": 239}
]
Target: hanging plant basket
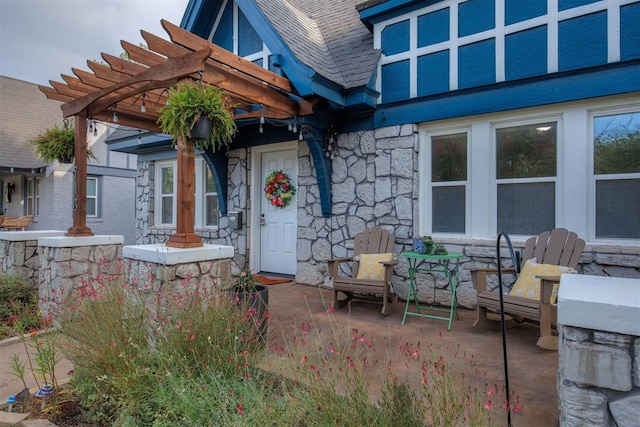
[
  {"x": 278, "y": 189},
  {"x": 58, "y": 143},
  {"x": 201, "y": 130},
  {"x": 188, "y": 103}
]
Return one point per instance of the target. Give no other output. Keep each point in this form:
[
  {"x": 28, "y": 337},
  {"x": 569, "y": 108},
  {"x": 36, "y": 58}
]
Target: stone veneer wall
[
  {"x": 68, "y": 263},
  {"x": 155, "y": 284},
  {"x": 238, "y": 200},
  {"x": 374, "y": 182},
  {"x": 600, "y": 378},
  {"x": 599, "y": 351},
  {"x": 19, "y": 253},
  {"x": 21, "y": 258}
]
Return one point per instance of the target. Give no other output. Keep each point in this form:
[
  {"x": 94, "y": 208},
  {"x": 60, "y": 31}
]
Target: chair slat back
[
  {"x": 557, "y": 247},
  {"x": 374, "y": 240}
]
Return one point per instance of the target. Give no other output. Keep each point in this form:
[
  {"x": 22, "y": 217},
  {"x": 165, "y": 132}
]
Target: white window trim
[
  {"x": 593, "y": 178},
  {"x": 425, "y": 213},
  {"x": 575, "y": 182},
  {"x": 158, "y": 193},
  {"x": 34, "y": 182},
  {"x": 201, "y": 195},
  {"x": 96, "y": 197},
  {"x": 502, "y": 124}
]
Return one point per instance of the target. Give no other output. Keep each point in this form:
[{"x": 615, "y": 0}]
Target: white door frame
[{"x": 257, "y": 195}]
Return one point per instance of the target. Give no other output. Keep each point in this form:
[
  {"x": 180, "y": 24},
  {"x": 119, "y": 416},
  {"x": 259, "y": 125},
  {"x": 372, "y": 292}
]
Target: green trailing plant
[
  {"x": 187, "y": 102},
  {"x": 57, "y": 143}
]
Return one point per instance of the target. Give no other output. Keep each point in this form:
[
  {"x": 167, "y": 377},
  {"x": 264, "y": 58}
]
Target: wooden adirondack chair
[
  {"x": 558, "y": 247},
  {"x": 372, "y": 268},
  {"x": 21, "y": 223}
]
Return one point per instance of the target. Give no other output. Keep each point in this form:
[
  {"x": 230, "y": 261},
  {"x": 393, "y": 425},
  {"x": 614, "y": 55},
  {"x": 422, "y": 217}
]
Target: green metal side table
[{"x": 447, "y": 265}]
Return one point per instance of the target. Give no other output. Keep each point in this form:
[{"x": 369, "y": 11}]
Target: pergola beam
[
  {"x": 157, "y": 77},
  {"x": 122, "y": 86}
]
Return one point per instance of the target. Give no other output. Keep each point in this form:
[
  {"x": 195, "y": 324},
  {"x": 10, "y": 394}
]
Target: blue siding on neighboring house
[
  {"x": 521, "y": 10},
  {"x": 433, "y": 73},
  {"x": 476, "y": 16},
  {"x": 526, "y": 53},
  {"x": 395, "y": 38},
  {"x": 477, "y": 64},
  {"x": 223, "y": 36},
  {"x": 433, "y": 27},
  {"x": 630, "y": 31},
  {"x": 396, "y": 81},
  {"x": 570, "y": 4},
  {"x": 249, "y": 42},
  {"x": 582, "y": 42}
]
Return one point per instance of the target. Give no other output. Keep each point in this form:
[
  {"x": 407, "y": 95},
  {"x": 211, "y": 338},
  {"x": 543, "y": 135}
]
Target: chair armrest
[
  {"x": 333, "y": 265},
  {"x": 479, "y": 276},
  {"x": 546, "y": 287},
  {"x": 344, "y": 259},
  {"x": 389, "y": 263}
]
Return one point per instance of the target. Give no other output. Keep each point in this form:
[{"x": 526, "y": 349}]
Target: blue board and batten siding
[{"x": 452, "y": 46}]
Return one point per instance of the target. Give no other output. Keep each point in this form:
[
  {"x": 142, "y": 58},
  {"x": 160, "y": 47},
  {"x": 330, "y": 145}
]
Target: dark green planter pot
[{"x": 258, "y": 304}]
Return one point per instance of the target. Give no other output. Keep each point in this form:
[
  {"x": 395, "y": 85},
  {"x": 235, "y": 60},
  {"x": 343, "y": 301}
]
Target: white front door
[{"x": 278, "y": 225}]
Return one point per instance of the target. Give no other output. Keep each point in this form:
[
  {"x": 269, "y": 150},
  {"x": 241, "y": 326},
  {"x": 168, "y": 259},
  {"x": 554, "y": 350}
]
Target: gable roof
[
  {"x": 321, "y": 45},
  {"x": 327, "y": 36},
  {"x": 24, "y": 114}
]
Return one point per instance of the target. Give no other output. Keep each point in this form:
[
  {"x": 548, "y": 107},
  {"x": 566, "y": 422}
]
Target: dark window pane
[
  {"x": 92, "y": 187},
  {"x": 526, "y": 209},
  {"x": 449, "y": 209},
  {"x": 526, "y": 151},
  {"x": 449, "y": 158},
  {"x": 210, "y": 184},
  {"x": 167, "y": 180},
  {"x": 212, "y": 210},
  {"x": 249, "y": 41},
  {"x": 167, "y": 210},
  {"x": 618, "y": 209},
  {"x": 617, "y": 144},
  {"x": 91, "y": 207}
]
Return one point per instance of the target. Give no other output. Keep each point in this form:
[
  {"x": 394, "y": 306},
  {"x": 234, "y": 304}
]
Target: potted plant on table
[
  {"x": 198, "y": 112},
  {"x": 58, "y": 143}
]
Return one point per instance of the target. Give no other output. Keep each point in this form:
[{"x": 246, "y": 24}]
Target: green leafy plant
[
  {"x": 194, "y": 359},
  {"x": 245, "y": 282},
  {"x": 187, "y": 102},
  {"x": 18, "y": 306},
  {"x": 57, "y": 143}
]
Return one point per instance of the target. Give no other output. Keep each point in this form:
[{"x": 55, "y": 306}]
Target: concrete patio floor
[{"x": 532, "y": 370}]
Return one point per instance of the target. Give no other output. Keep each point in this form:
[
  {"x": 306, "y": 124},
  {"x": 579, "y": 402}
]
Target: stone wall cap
[
  {"x": 21, "y": 236},
  {"x": 69, "y": 242},
  {"x": 163, "y": 254},
  {"x": 601, "y": 303}
]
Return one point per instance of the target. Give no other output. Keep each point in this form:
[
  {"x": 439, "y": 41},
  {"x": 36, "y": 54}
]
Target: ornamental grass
[{"x": 200, "y": 362}]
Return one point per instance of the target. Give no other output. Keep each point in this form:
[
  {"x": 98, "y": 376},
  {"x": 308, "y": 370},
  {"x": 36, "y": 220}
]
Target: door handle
[{"x": 262, "y": 220}]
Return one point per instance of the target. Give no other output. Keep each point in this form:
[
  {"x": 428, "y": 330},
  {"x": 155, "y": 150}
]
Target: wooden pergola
[{"x": 130, "y": 92}]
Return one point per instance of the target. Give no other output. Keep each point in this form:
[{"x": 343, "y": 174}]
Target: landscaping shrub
[
  {"x": 195, "y": 359},
  {"x": 18, "y": 306}
]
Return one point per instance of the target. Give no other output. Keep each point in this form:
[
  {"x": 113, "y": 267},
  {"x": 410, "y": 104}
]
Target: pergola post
[
  {"x": 185, "y": 237},
  {"x": 79, "y": 227}
]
